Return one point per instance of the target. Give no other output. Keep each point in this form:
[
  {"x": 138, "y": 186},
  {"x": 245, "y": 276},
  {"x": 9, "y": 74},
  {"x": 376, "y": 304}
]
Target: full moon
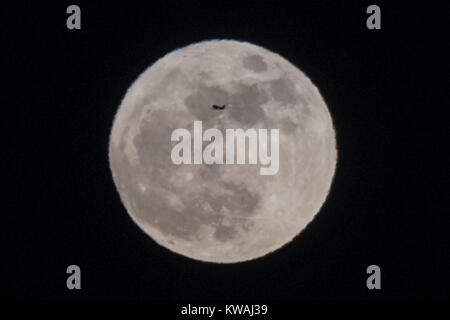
[{"x": 222, "y": 213}]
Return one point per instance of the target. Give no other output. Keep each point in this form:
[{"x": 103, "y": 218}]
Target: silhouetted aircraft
[{"x": 218, "y": 107}]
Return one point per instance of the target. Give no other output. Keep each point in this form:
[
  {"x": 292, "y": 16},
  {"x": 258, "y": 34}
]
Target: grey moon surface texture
[{"x": 222, "y": 213}]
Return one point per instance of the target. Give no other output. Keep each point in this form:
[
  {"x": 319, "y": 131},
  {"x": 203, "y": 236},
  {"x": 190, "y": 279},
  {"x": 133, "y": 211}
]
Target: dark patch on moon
[
  {"x": 122, "y": 138},
  {"x": 199, "y": 103},
  {"x": 306, "y": 110},
  {"x": 244, "y": 106},
  {"x": 242, "y": 200},
  {"x": 288, "y": 125},
  {"x": 283, "y": 90},
  {"x": 152, "y": 142},
  {"x": 210, "y": 172},
  {"x": 224, "y": 233},
  {"x": 254, "y": 63}
]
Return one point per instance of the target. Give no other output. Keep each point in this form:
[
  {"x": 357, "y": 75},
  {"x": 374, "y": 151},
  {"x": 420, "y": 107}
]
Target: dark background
[{"x": 386, "y": 204}]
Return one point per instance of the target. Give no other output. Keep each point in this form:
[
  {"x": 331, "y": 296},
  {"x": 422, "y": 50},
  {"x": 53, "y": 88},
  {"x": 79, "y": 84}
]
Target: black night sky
[{"x": 386, "y": 204}]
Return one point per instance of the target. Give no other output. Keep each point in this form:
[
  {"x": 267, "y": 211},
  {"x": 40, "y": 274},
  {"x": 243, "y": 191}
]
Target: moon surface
[{"x": 222, "y": 213}]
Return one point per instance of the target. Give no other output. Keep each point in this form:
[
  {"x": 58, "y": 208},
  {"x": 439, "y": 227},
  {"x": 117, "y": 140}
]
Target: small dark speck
[{"x": 218, "y": 107}]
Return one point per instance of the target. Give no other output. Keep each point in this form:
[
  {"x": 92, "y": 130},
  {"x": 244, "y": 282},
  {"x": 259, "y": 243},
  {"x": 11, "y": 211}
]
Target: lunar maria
[{"x": 213, "y": 153}]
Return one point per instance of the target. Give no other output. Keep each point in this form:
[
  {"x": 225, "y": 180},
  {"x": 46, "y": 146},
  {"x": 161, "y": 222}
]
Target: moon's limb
[{"x": 222, "y": 213}]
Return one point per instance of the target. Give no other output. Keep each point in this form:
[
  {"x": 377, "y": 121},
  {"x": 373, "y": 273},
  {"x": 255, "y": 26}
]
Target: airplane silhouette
[{"x": 218, "y": 107}]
